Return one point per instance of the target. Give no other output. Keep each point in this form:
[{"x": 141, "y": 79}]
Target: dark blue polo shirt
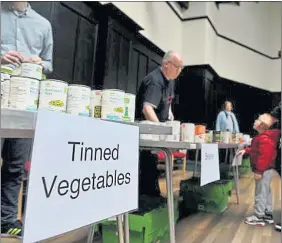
[{"x": 156, "y": 90}]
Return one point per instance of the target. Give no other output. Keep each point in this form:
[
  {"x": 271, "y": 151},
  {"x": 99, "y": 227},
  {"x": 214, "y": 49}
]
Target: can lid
[
  {"x": 32, "y": 63},
  {"x": 18, "y": 76},
  {"x": 54, "y": 80},
  {"x": 129, "y": 94},
  {"x": 118, "y": 90},
  {"x": 201, "y": 125},
  {"x": 80, "y": 85}
]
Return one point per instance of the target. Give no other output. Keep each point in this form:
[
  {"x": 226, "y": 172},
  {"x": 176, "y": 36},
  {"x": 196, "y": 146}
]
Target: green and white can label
[
  {"x": 53, "y": 95},
  {"x": 24, "y": 93},
  {"x": 78, "y": 101},
  {"x": 30, "y": 70},
  {"x": 129, "y": 107},
  {"x": 96, "y": 103},
  {"x": 112, "y": 105},
  {"x": 5, "y": 92}
]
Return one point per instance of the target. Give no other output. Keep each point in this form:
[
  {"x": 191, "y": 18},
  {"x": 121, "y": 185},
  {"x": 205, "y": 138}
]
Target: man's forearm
[
  {"x": 170, "y": 114},
  {"x": 170, "y": 111},
  {"x": 150, "y": 114}
]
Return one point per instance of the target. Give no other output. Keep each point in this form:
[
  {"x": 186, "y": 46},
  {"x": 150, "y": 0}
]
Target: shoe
[
  {"x": 255, "y": 220},
  {"x": 268, "y": 217},
  {"x": 13, "y": 230},
  {"x": 278, "y": 227}
]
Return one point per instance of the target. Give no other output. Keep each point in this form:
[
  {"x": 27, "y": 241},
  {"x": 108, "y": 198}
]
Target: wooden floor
[{"x": 227, "y": 227}]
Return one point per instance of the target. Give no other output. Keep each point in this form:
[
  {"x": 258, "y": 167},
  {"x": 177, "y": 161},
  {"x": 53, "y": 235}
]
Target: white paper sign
[
  {"x": 209, "y": 164},
  {"x": 237, "y": 160},
  {"x": 83, "y": 170}
]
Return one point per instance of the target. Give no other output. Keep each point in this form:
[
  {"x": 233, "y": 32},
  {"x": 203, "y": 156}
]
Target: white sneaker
[
  {"x": 278, "y": 227},
  {"x": 254, "y": 220}
]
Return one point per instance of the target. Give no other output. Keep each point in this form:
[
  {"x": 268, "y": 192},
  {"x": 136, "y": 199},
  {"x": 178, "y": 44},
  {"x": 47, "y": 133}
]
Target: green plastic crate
[
  {"x": 245, "y": 168},
  {"x": 211, "y": 198},
  {"x": 150, "y": 227},
  {"x": 135, "y": 237}
]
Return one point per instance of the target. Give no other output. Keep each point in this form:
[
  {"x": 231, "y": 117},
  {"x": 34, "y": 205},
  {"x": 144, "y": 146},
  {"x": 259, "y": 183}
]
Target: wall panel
[{"x": 75, "y": 35}]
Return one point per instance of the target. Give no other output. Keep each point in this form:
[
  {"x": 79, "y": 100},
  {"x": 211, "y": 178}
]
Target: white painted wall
[
  {"x": 257, "y": 25},
  {"x": 250, "y": 23},
  {"x": 260, "y": 21},
  {"x": 160, "y": 24}
]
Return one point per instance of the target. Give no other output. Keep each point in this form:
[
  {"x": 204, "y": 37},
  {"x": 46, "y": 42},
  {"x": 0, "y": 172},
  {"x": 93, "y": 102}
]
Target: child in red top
[{"x": 262, "y": 155}]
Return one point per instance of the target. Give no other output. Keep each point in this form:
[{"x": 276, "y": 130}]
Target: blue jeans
[{"x": 15, "y": 152}]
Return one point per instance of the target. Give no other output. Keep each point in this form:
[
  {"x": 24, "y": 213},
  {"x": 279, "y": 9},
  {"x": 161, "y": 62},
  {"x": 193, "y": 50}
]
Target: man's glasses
[{"x": 177, "y": 66}]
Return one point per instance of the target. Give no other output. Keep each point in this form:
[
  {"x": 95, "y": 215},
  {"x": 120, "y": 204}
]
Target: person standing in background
[
  {"x": 226, "y": 120},
  {"x": 26, "y": 36},
  {"x": 153, "y": 103}
]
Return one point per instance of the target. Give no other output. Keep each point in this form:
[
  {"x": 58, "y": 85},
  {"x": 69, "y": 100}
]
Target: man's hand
[
  {"x": 12, "y": 57},
  {"x": 170, "y": 116},
  {"x": 241, "y": 152},
  {"x": 149, "y": 113},
  {"x": 36, "y": 60},
  {"x": 257, "y": 176}
]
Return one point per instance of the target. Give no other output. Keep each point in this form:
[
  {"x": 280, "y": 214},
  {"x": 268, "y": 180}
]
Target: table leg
[
  {"x": 20, "y": 203},
  {"x": 185, "y": 162},
  {"x": 235, "y": 176},
  {"x": 170, "y": 201},
  {"x": 91, "y": 234},
  {"x": 226, "y": 156},
  {"x": 126, "y": 228},
  {"x": 196, "y": 162},
  {"x": 120, "y": 229},
  {"x": 238, "y": 183}
]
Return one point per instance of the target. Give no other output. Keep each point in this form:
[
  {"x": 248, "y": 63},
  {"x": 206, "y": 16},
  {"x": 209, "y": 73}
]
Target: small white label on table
[
  {"x": 83, "y": 170},
  {"x": 209, "y": 164}
]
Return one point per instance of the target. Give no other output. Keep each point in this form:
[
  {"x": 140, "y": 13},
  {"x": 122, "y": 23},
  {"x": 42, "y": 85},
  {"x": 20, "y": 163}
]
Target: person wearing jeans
[
  {"x": 25, "y": 37},
  {"x": 262, "y": 155},
  {"x": 276, "y": 115},
  {"x": 15, "y": 153}
]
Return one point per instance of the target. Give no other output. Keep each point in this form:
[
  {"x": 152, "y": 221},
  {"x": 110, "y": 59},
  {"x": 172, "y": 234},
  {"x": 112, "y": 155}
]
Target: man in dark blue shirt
[{"x": 153, "y": 103}]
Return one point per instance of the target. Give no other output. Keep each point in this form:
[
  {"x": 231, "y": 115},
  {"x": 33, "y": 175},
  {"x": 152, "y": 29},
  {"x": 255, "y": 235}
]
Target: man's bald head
[{"x": 172, "y": 64}]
